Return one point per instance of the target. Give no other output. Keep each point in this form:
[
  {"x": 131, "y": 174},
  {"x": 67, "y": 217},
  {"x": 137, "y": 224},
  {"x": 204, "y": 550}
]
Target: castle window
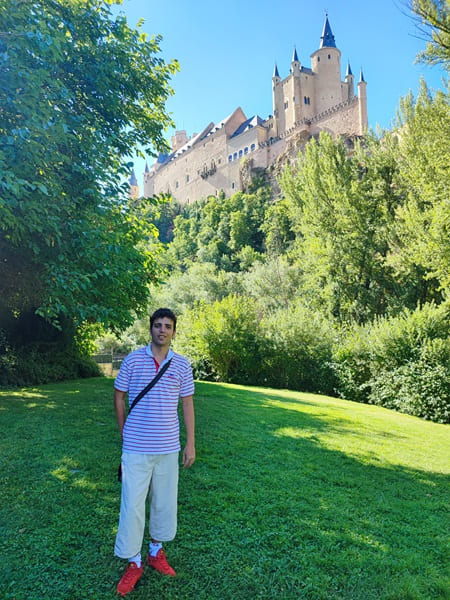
[
  {"x": 187, "y": 178},
  {"x": 329, "y": 56},
  {"x": 246, "y": 150},
  {"x": 252, "y": 147},
  {"x": 230, "y": 158},
  {"x": 176, "y": 185},
  {"x": 235, "y": 156},
  {"x": 240, "y": 153},
  {"x": 286, "y": 104},
  {"x": 232, "y": 186},
  {"x": 318, "y": 59},
  {"x": 307, "y": 100}
]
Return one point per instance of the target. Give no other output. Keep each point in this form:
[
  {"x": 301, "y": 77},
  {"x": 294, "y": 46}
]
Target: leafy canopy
[{"x": 81, "y": 91}]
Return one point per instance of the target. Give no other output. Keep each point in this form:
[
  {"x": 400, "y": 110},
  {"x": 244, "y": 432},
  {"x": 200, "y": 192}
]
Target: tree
[
  {"x": 81, "y": 91},
  {"x": 342, "y": 207},
  {"x": 434, "y": 19},
  {"x": 423, "y": 222}
]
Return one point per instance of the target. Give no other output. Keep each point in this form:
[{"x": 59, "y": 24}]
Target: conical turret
[{"x": 327, "y": 37}]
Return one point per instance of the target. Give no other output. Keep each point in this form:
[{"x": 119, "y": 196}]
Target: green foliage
[
  {"x": 400, "y": 362},
  {"x": 298, "y": 350},
  {"x": 423, "y": 222},
  {"x": 36, "y": 363},
  {"x": 221, "y": 231},
  {"x": 434, "y": 18},
  {"x": 80, "y": 92},
  {"x": 420, "y": 387},
  {"x": 222, "y": 339},
  {"x": 342, "y": 208},
  {"x": 201, "y": 282},
  {"x": 229, "y": 341},
  {"x": 274, "y": 283},
  {"x": 277, "y": 228}
]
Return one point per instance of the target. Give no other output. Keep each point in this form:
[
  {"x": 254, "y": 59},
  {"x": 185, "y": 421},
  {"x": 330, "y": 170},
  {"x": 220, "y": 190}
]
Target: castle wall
[{"x": 342, "y": 119}]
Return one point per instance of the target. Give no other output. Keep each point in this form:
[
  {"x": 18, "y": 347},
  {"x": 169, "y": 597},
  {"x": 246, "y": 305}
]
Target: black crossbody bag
[{"x": 141, "y": 394}]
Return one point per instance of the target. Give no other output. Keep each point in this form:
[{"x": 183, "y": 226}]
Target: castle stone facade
[{"x": 307, "y": 101}]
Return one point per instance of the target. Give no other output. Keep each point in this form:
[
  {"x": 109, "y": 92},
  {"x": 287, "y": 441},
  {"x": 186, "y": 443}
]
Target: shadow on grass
[{"x": 268, "y": 510}]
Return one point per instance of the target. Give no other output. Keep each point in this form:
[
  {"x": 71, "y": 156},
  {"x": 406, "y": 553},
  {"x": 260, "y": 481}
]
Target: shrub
[
  {"x": 298, "y": 350},
  {"x": 399, "y": 362},
  {"x": 34, "y": 364},
  {"x": 420, "y": 388},
  {"x": 222, "y": 339}
]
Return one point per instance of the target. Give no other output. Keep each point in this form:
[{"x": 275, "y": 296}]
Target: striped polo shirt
[{"x": 152, "y": 427}]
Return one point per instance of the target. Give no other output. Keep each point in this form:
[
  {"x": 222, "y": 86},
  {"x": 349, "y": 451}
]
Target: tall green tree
[
  {"x": 423, "y": 221},
  {"x": 342, "y": 206},
  {"x": 81, "y": 91}
]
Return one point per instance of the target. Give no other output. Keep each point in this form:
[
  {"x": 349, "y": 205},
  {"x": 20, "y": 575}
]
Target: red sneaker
[
  {"x": 159, "y": 562},
  {"x": 129, "y": 579}
]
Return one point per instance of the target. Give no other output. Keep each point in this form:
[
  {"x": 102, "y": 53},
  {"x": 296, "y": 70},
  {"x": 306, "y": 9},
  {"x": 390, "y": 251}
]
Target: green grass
[{"x": 292, "y": 496}]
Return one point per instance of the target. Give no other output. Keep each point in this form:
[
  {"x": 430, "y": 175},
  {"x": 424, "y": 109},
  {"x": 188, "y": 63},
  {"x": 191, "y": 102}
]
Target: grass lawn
[{"x": 292, "y": 496}]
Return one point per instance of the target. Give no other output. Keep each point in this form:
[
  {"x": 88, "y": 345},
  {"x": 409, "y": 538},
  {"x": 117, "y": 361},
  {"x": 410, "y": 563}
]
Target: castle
[{"x": 307, "y": 101}]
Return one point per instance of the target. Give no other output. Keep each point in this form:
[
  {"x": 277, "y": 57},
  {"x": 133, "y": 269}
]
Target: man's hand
[{"x": 188, "y": 456}]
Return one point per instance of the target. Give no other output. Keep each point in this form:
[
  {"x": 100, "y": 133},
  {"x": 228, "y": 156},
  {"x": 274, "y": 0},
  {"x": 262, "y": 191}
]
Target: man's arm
[
  {"x": 189, "y": 423},
  {"x": 119, "y": 407}
]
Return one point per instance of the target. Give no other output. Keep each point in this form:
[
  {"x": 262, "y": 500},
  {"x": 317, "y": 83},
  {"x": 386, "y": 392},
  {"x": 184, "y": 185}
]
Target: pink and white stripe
[{"x": 153, "y": 427}]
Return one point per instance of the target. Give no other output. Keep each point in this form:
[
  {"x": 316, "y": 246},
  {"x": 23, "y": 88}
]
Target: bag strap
[{"x": 149, "y": 386}]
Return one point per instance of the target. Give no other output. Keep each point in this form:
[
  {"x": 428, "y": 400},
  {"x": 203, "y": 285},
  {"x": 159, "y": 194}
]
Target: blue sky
[{"x": 227, "y": 51}]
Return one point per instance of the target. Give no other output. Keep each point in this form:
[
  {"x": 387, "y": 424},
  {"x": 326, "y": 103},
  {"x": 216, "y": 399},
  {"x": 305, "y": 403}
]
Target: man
[{"x": 151, "y": 445}]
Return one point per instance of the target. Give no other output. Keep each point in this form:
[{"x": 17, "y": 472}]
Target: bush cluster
[
  {"x": 43, "y": 362},
  {"x": 400, "y": 362},
  {"x": 231, "y": 341}
]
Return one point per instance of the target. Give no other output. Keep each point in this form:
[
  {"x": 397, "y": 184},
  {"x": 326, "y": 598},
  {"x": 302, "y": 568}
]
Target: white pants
[{"x": 141, "y": 472}]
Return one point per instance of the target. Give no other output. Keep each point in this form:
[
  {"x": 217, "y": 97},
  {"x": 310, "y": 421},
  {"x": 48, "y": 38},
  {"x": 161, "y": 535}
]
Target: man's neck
[{"x": 159, "y": 352}]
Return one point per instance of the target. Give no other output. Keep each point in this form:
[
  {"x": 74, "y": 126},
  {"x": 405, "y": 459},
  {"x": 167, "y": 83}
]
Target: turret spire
[
  {"x": 349, "y": 70},
  {"x": 133, "y": 181},
  {"x": 275, "y": 71},
  {"x": 295, "y": 56},
  {"x": 327, "y": 38},
  {"x": 361, "y": 76}
]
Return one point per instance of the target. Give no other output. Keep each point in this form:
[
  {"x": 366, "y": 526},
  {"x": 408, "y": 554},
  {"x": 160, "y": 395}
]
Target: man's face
[{"x": 162, "y": 332}]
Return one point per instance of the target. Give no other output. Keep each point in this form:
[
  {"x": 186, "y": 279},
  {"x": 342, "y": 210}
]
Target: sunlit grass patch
[{"x": 292, "y": 496}]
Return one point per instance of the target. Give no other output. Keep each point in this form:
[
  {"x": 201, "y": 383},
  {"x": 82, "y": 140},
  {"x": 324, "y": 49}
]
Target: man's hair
[{"x": 161, "y": 313}]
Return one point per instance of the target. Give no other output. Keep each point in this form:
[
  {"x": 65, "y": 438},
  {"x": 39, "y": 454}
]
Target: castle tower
[
  {"x": 362, "y": 102},
  {"x": 295, "y": 63},
  {"x": 277, "y": 99},
  {"x": 179, "y": 140},
  {"x": 326, "y": 65},
  {"x": 133, "y": 191},
  {"x": 350, "y": 81}
]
